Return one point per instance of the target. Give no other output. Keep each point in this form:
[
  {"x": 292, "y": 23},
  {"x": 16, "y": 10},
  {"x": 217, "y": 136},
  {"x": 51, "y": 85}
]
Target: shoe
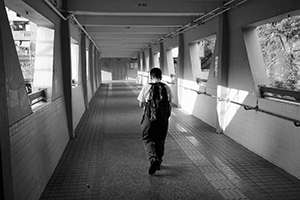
[
  {"x": 153, "y": 166},
  {"x": 158, "y": 165}
]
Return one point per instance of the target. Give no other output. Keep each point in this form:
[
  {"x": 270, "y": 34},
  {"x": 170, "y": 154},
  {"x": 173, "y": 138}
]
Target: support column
[
  {"x": 18, "y": 103},
  {"x": 8, "y": 66},
  {"x": 144, "y": 61},
  {"x": 91, "y": 67},
  {"x": 100, "y": 68},
  {"x": 67, "y": 73},
  {"x": 95, "y": 69},
  {"x": 162, "y": 62},
  {"x": 179, "y": 75},
  {"x": 83, "y": 69},
  {"x": 139, "y": 62},
  {"x": 139, "y": 77},
  {"x": 151, "y": 60},
  {"x": 221, "y": 64},
  {"x": 180, "y": 63}
]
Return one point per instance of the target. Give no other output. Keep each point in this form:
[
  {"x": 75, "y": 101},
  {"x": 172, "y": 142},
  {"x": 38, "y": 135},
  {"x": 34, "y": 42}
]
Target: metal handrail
[
  {"x": 274, "y": 92},
  {"x": 37, "y": 96},
  {"x": 246, "y": 107}
]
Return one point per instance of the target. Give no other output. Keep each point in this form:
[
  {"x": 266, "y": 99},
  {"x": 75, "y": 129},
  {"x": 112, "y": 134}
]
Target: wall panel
[
  {"x": 37, "y": 143},
  {"x": 273, "y": 138}
]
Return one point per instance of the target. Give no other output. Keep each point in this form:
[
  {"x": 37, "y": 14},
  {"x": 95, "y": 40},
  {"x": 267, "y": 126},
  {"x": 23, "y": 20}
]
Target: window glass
[
  {"x": 24, "y": 34},
  {"x": 156, "y": 59},
  {"x": 74, "y": 61},
  {"x": 175, "y": 58},
  {"x": 280, "y": 45},
  {"x": 206, "y": 49},
  {"x": 87, "y": 64},
  {"x": 201, "y": 56}
]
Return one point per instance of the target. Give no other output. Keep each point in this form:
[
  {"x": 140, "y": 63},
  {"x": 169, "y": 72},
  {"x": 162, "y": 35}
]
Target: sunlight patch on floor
[{"x": 180, "y": 128}]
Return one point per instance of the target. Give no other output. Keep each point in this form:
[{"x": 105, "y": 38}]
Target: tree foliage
[{"x": 280, "y": 44}]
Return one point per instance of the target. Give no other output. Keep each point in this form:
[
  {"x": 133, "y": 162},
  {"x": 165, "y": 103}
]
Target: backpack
[{"x": 158, "y": 106}]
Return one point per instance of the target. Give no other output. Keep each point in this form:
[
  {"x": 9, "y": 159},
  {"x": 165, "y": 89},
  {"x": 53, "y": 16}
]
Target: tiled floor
[{"x": 106, "y": 160}]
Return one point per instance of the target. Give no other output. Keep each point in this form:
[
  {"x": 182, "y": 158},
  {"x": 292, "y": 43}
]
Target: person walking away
[{"x": 155, "y": 98}]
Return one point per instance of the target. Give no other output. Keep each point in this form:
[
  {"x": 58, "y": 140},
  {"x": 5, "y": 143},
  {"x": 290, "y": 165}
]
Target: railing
[
  {"x": 256, "y": 108},
  {"x": 247, "y": 107},
  {"x": 280, "y": 94},
  {"x": 37, "y": 96},
  {"x": 264, "y": 90}
]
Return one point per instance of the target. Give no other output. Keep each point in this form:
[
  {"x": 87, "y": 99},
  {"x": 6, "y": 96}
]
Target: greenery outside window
[{"x": 280, "y": 45}]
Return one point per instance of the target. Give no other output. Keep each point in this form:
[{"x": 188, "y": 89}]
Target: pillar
[
  {"x": 67, "y": 73},
  {"x": 95, "y": 69},
  {"x": 100, "y": 68},
  {"x": 14, "y": 101},
  {"x": 83, "y": 69},
  {"x": 139, "y": 62},
  {"x": 91, "y": 67},
  {"x": 221, "y": 64},
  {"x": 144, "y": 61},
  {"x": 162, "y": 61},
  {"x": 151, "y": 59},
  {"x": 180, "y": 63}
]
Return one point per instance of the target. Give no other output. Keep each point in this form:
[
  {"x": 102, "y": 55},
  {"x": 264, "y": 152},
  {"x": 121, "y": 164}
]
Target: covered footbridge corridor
[
  {"x": 107, "y": 160},
  {"x": 77, "y": 135}
]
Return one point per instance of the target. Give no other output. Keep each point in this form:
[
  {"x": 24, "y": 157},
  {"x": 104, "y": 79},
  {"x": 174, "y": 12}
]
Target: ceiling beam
[
  {"x": 122, "y": 41},
  {"x": 113, "y": 51},
  {"x": 113, "y": 54},
  {"x": 131, "y": 36},
  {"x": 133, "y": 21},
  {"x": 120, "y": 46},
  {"x": 146, "y": 7},
  {"x": 119, "y": 42},
  {"x": 129, "y": 30}
]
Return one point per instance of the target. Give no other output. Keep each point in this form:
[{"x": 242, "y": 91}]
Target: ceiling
[{"x": 123, "y": 28}]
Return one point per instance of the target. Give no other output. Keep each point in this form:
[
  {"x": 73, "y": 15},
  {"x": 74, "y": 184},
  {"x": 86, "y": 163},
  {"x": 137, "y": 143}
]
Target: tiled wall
[
  {"x": 78, "y": 106},
  {"x": 200, "y": 105},
  {"x": 37, "y": 143},
  {"x": 275, "y": 139},
  {"x": 271, "y": 137},
  {"x": 89, "y": 90}
]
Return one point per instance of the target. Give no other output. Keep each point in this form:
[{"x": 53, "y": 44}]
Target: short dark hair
[{"x": 156, "y": 73}]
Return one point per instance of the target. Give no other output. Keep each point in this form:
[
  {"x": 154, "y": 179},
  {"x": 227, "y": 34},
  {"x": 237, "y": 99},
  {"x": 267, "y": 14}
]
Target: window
[
  {"x": 24, "y": 34},
  {"x": 156, "y": 58},
  {"x": 175, "y": 58},
  {"x": 35, "y": 48},
  {"x": 280, "y": 45},
  {"x": 206, "y": 49},
  {"x": 87, "y": 64},
  {"x": 74, "y": 61},
  {"x": 172, "y": 56},
  {"x": 133, "y": 63},
  {"x": 201, "y": 53}
]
